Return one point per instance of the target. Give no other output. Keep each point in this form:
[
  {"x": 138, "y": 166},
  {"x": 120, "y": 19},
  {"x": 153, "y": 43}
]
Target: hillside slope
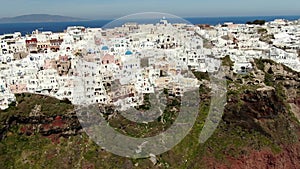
[{"x": 259, "y": 129}]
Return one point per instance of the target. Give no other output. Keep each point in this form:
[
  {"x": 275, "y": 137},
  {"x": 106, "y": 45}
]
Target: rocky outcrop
[
  {"x": 267, "y": 107},
  {"x": 288, "y": 158},
  {"x": 251, "y": 110},
  {"x": 60, "y": 125}
]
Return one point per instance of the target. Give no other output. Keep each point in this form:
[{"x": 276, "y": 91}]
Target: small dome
[
  {"x": 104, "y": 48},
  {"x": 128, "y": 52}
]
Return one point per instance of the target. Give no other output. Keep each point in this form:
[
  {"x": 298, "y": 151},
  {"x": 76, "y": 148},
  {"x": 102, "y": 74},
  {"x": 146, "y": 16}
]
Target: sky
[{"x": 110, "y": 9}]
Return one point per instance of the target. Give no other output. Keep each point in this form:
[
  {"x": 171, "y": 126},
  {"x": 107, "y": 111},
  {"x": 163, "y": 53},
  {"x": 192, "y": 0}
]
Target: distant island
[{"x": 34, "y": 18}]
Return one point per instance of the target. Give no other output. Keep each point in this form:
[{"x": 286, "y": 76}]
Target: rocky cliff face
[
  {"x": 37, "y": 121},
  {"x": 264, "y": 112},
  {"x": 266, "y": 102},
  {"x": 288, "y": 158}
]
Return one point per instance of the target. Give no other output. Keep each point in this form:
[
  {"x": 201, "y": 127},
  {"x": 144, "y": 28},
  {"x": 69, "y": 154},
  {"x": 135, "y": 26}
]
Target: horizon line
[{"x": 113, "y": 18}]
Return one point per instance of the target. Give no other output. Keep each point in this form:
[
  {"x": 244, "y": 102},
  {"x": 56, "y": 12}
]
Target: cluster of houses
[
  {"x": 120, "y": 65},
  {"x": 278, "y": 40}
]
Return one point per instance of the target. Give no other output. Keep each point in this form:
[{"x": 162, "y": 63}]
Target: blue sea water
[{"x": 25, "y": 28}]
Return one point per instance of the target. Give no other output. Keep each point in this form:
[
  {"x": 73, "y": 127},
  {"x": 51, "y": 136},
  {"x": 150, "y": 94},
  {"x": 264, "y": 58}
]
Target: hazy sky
[{"x": 107, "y": 9}]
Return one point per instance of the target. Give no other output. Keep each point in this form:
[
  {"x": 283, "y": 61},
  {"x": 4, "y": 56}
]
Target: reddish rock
[
  {"x": 58, "y": 122},
  {"x": 289, "y": 158}
]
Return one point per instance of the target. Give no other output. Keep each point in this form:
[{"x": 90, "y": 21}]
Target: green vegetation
[
  {"x": 226, "y": 61},
  {"x": 201, "y": 75},
  {"x": 262, "y": 31},
  {"x": 163, "y": 122},
  {"x": 269, "y": 74},
  {"x": 26, "y": 103},
  {"x": 269, "y": 79},
  {"x": 260, "y": 64}
]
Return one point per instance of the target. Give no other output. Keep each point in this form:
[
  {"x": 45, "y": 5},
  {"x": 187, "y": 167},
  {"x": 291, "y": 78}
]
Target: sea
[{"x": 27, "y": 28}]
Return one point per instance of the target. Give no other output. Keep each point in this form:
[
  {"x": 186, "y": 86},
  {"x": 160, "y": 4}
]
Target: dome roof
[
  {"x": 128, "y": 52},
  {"x": 104, "y": 48}
]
